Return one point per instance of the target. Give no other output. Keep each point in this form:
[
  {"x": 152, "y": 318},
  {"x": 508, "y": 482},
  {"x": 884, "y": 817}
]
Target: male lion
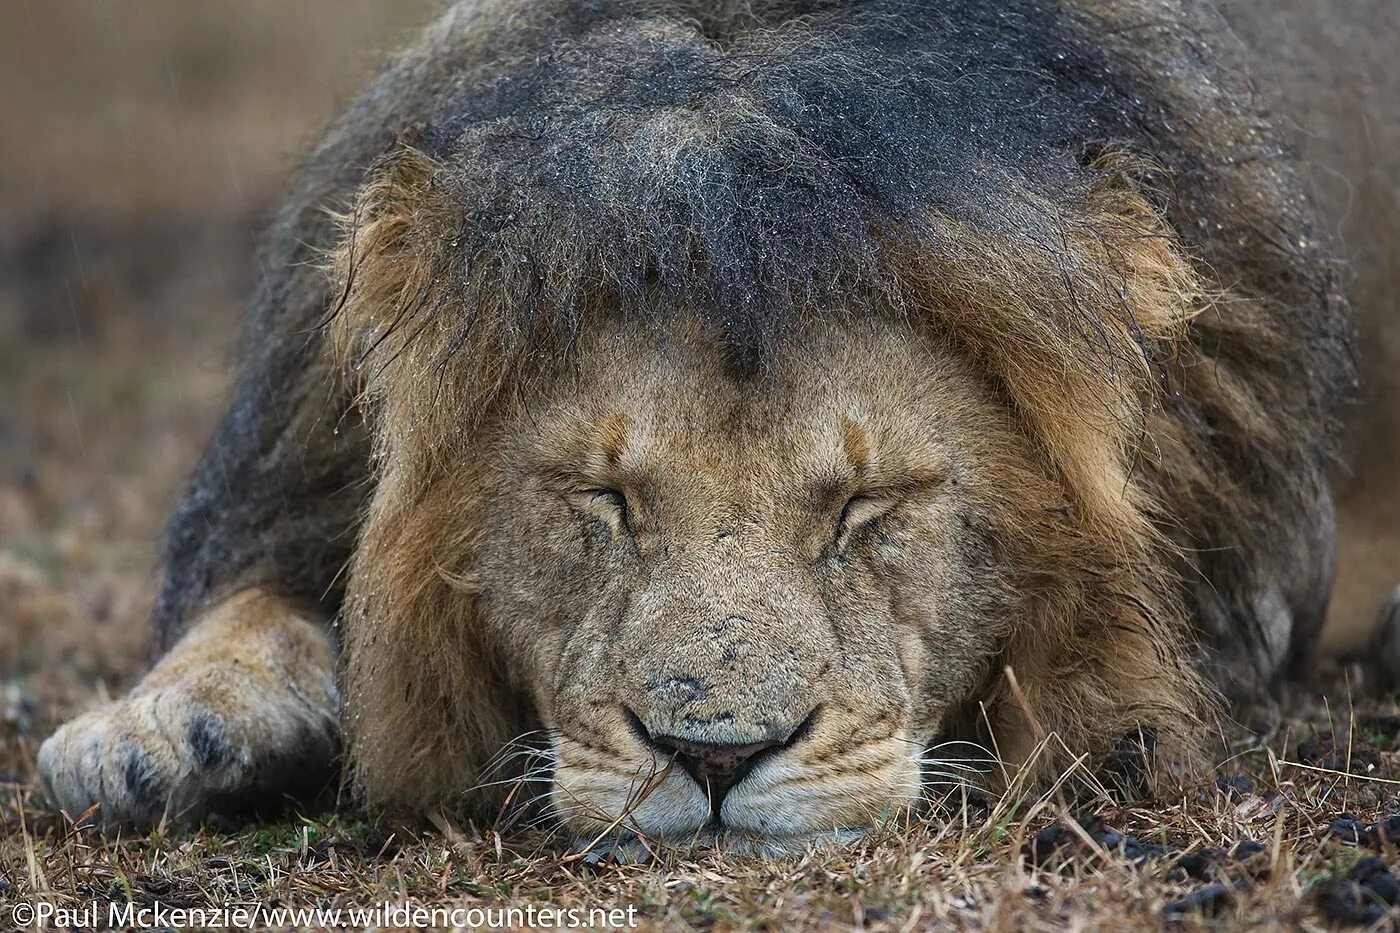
[{"x": 753, "y": 399}]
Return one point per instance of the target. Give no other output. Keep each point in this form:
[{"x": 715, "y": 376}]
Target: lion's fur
[
  {"x": 1081, "y": 199},
  {"x": 1337, "y": 75}
]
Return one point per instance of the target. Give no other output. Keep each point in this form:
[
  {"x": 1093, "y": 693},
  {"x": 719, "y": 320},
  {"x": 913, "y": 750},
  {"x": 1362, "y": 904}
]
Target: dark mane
[
  {"x": 625, "y": 157},
  {"x": 1060, "y": 187}
]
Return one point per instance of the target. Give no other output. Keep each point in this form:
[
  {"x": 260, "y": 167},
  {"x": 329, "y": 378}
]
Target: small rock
[
  {"x": 1128, "y": 767},
  {"x": 1356, "y": 832},
  {"x": 1312, "y": 749},
  {"x": 1342, "y": 902},
  {"x": 1246, "y": 849},
  {"x": 1234, "y": 786},
  {"x": 1348, "y": 828},
  {"x": 1201, "y": 865},
  {"x": 1206, "y": 864},
  {"x": 1335, "y": 753},
  {"x": 1387, "y": 830},
  {"x": 1046, "y": 844},
  {"x": 1056, "y": 839},
  {"x": 1110, "y": 839},
  {"x": 1375, "y": 877},
  {"x": 1208, "y": 900},
  {"x": 1361, "y": 896},
  {"x": 979, "y": 805}
]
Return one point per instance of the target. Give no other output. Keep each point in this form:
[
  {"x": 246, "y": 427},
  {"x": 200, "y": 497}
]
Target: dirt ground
[{"x": 141, "y": 144}]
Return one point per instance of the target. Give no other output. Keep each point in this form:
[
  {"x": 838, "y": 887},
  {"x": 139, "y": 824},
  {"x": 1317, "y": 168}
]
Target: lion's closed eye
[
  {"x": 603, "y": 504},
  {"x": 860, "y": 513}
]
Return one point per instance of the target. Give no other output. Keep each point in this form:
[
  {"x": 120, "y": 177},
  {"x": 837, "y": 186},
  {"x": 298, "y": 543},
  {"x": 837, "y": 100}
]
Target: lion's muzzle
[
  {"x": 716, "y": 767},
  {"x": 721, "y": 699}
]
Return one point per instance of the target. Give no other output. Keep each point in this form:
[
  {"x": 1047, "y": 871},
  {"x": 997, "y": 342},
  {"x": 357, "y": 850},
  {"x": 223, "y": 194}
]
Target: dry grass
[
  {"x": 139, "y": 146},
  {"x": 969, "y": 866}
]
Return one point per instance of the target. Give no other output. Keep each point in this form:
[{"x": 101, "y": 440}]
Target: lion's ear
[
  {"x": 1073, "y": 323},
  {"x": 390, "y": 251}
]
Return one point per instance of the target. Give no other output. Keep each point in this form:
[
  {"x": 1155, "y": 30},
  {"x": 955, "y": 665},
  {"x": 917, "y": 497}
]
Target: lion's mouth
[
  {"x": 739, "y": 798},
  {"x": 717, "y": 767}
]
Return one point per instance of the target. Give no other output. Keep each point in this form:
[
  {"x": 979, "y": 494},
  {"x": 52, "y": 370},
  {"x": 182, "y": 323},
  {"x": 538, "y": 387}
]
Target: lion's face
[{"x": 784, "y": 581}]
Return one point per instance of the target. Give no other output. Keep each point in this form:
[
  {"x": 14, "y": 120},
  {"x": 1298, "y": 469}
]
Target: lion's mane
[{"x": 1082, "y": 196}]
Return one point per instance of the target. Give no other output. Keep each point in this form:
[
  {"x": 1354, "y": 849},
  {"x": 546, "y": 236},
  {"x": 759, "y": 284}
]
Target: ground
[{"x": 141, "y": 144}]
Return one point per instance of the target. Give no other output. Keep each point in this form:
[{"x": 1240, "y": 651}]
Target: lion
[{"x": 728, "y": 419}]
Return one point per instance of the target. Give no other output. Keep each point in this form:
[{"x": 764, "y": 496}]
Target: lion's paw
[
  {"x": 168, "y": 755},
  {"x": 229, "y": 722}
]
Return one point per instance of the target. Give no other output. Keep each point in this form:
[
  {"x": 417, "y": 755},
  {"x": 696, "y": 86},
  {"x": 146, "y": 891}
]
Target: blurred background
[{"x": 142, "y": 145}]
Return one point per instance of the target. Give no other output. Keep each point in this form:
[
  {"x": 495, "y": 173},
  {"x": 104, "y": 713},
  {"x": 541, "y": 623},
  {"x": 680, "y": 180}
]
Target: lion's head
[
  {"x": 755, "y": 598},
  {"x": 787, "y": 582},
  {"x": 749, "y": 436},
  {"x": 744, "y": 591}
]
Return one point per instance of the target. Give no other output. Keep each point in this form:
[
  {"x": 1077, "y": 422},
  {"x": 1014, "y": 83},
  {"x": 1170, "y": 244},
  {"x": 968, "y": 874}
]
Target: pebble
[
  {"x": 1335, "y": 753},
  {"x": 1358, "y": 832},
  {"x": 1056, "y": 839},
  {"x": 1361, "y": 896},
  {"x": 1246, "y": 849},
  {"x": 1201, "y": 865},
  {"x": 1044, "y": 845},
  {"x": 1057, "y": 842},
  {"x": 1209, "y": 900},
  {"x": 1234, "y": 786}
]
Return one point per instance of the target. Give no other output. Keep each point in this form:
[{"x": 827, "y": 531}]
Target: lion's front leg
[{"x": 242, "y": 711}]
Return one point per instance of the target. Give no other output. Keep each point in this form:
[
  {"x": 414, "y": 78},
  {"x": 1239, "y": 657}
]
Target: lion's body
[
  {"x": 1054, "y": 255},
  {"x": 1330, "y": 69}
]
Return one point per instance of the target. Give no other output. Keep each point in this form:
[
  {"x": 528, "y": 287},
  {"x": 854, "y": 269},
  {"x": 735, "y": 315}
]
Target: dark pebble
[
  {"x": 1388, "y": 830},
  {"x": 1234, "y": 786},
  {"x": 1206, "y": 864},
  {"x": 1316, "y": 747},
  {"x": 1109, "y": 838},
  {"x": 1208, "y": 900},
  {"x": 1056, "y": 840},
  {"x": 1360, "y": 896},
  {"x": 1246, "y": 849},
  {"x": 978, "y": 804},
  {"x": 1348, "y": 828},
  {"x": 1046, "y": 844},
  {"x": 1356, "y": 832},
  {"x": 1337, "y": 753},
  {"x": 1341, "y": 901},
  {"x": 1375, "y": 876},
  {"x": 1201, "y": 865},
  {"x": 1148, "y": 851},
  {"x": 1128, "y": 768}
]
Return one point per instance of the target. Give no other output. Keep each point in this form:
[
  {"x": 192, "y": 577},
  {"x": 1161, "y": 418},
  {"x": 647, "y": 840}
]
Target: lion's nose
[{"x": 715, "y": 767}]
